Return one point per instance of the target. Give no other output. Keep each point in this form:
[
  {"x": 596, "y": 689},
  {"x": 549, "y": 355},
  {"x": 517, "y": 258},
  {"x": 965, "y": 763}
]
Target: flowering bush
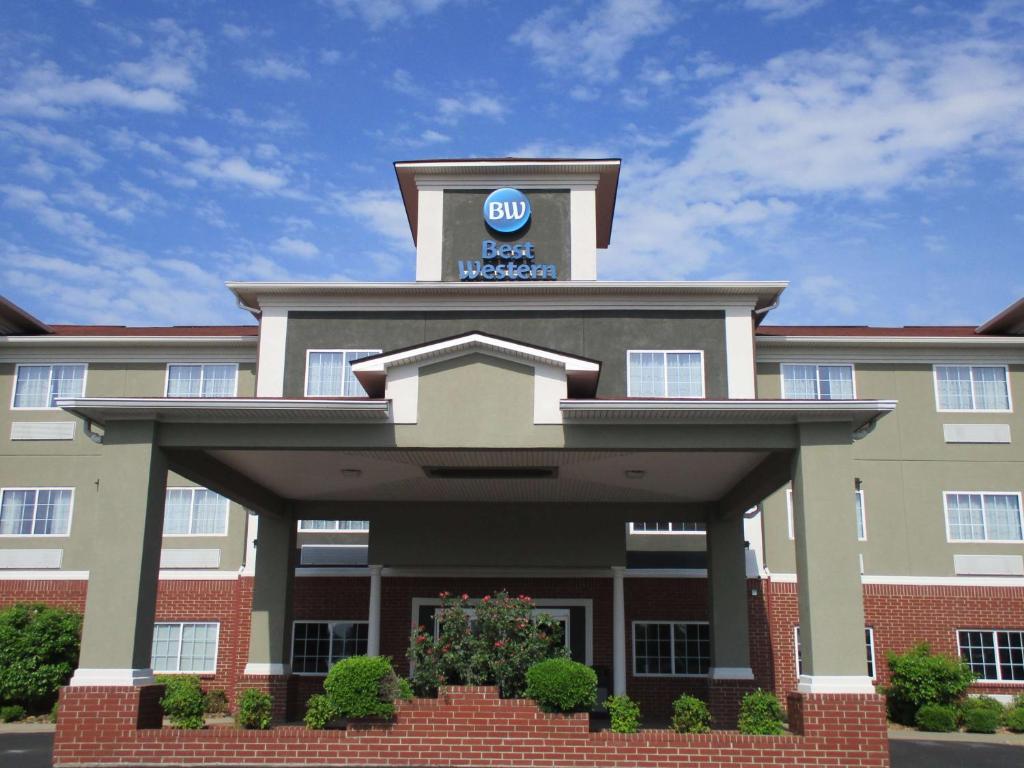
[{"x": 495, "y": 648}]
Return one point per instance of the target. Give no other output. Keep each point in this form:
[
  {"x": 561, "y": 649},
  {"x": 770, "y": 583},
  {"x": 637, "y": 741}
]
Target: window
[
  {"x": 180, "y": 647},
  {"x": 40, "y": 386},
  {"x": 983, "y": 516},
  {"x": 862, "y": 524},
  {"x": 316, "y": 645},
  {"x": 665, "y": 374},
  {"x": 662, "y": 527},
  {"x": 817, "y": 382},
  {"x": 671, "y": 648},
  {"x": 993, "y": 654},
  {"x": 319, "y": 526},
  {"x": 869, "y": 642},
  {"x": 972, "y": 388},
  {"x": 202, "y": 380},
  {"x": 329, "y": 372},
  {"x": 195, "y": 512},
  {"x": 35, "y": 511}
]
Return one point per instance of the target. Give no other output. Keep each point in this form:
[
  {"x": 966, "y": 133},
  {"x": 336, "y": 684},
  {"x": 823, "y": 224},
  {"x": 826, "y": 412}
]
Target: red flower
[
  {"x": 486, "y": 599},
  {"x": 499, "y": 644},
  {"x": 443, "y": 595},
  {"x": 465, "y": 596}
]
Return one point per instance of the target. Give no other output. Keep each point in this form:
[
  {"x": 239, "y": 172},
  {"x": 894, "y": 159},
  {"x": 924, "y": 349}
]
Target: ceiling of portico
[{"x": 582, "y": 476}]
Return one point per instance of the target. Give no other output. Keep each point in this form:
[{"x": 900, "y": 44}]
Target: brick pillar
[
  {"x": 852, "y": 728},
  {"x": 94, "y": 719}
]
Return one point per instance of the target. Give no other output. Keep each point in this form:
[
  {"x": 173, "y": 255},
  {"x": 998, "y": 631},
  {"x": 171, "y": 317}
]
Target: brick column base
[
  {"x": 92, "y": 716},
  {"x": 279, "y": 688},
  {"x": 854, "y": 726},
  {"x": 724, "y": 697}
]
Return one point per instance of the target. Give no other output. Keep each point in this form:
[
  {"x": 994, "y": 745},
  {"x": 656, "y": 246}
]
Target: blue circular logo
[{"x": 506, "y": 210}]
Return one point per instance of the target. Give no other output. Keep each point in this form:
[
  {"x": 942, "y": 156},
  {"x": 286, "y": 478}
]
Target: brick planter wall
[{"x": 468, "y": 726}]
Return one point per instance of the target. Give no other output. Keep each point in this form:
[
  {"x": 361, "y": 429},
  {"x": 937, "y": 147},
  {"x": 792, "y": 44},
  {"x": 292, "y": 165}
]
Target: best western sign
[{"x": 506, "y": 211}]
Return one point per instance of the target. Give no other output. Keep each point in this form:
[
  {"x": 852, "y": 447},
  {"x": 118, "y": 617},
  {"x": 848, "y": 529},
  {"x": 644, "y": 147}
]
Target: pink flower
[
  {"x": 443, "y": 595},
  {"x": 499, "y": 644},
  {"x": 487, "y": 599},
  {"x": 465, "y": 596}
]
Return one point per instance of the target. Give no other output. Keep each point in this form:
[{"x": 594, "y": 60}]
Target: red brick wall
[
  {"x": 62, "y": 594},
  {"x": 469, "y": 726}
]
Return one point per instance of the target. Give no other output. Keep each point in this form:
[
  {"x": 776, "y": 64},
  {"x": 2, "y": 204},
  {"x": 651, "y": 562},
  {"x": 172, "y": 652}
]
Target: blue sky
[{"x": 869, "y": 151}]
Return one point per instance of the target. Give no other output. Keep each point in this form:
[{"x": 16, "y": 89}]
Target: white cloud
[
  {"x": 235, "y": 32},
  {"x": 51, "y": 141},
  {"x": 291, "y": 246},
  {"x": 238, "y": 170},
  {"x": 273, "y": 68},
  {"x": 451, "y": 109},
  {"x": 594, "y": 45},
  {"x": 782, "y": 9},
  {"x": 379, "y": 13},
  {"x": 329, "y": 56},
  {"x": 37, "y": 168},
  {"x": 380, "y": 211}
]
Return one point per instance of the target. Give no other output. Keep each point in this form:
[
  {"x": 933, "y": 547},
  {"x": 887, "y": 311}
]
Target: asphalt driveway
[{"x": 32, "y": 750}]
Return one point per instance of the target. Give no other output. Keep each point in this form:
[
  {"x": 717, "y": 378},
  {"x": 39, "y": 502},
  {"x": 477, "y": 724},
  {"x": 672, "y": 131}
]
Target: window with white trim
[
  {"x": 667, "y": 527},
  {"x": 817, "y": 382},
  {"x": 972, "y": 388},
  {"x": 668, "y": 373},
  {"x": 202, "y": 380},
  {"x": 992, "y": 654},
  {"x": 983, "y": 516},
  {"x": 40, "y": 386},
  {"x": 185, "y": 647},
  {"x": 858, "y": 499},
  {"x": 329, "y": 526},
  {"x": 329, "y": 372},
  {"x": 35, "y": 511},
  {"x": 317, "y": 645},
  {"x": 671, "y": 648},
  {"x": 195, "y": 512},
  {"x": 869, "y": 642}
]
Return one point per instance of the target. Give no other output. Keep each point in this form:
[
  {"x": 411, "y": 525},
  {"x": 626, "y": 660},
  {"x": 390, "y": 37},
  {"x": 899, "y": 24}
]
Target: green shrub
[
  {"x": 986, "y": 703},
  {"x": 690, "y": 715},
  {"x": 319, "y": 712},
  {"x": 55, "y": 712},
  {"x": 982, "y": 720},
  {"x": 183, "y": 701},
  {"x": 363, "y": 686},
  {"x": 405, "y": 690},
  {"x": 936, "y": 718},
  {"x": 12, "y": 713},
  {"x": 1018, "y": 701},
  {"x": 216, "y": 702},
  {"x": 920, "y": 677},
  {"x": 254, "y": 708},
  {"x": 761, "y": 713},
  {"x": 625, "y": 714},
  {"x": 506, "y": 638},
  {"x": 38, "y": 653},
  {"x": 562, "y": 685},
  {"x": 1014, "y": 720}
]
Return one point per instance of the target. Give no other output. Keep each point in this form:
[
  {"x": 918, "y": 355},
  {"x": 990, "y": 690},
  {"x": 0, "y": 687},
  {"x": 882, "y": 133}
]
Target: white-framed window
[
  {"x": 677, "y": 648},
  {"x": 995, "y": 655},
  {"x": 983, "y": 516},
  {"x": 808, "y": 381},
  {"x": 202, "y": 380},
  {"x": 195, "y": 512},
  {"x": 36, "y": 511},
  {"x": 317, "y": 645},
  {"x": 329, "y": 372},
  {"x": 665, "y": 373},
  {"x": 858, "y": 500},
  {"x": 334, "y": 526},
  {"x": 869, "y": 642},
  {"x": 972, "y": 388},
  {"x": 185, "y": 647},
  {"x": 38, "y": 387},
  {"x": 668, "y": 527}
]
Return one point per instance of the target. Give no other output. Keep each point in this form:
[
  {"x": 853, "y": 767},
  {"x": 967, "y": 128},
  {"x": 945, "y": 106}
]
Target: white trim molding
[
  {"x": 112, "y": 677},
  {"x": 835, "y": 684},
  {"x": 34, "y": 575},
  {"x": 273, "y": 336},
  {"x": 739, "y": 352},
  {"x": 262, "y": 669},
  {"x": 731, "y": 673}
]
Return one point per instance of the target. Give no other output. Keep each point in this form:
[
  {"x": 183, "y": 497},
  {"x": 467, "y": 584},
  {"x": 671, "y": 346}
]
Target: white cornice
[
  {"x": 130, "y": 341},
  {"x": 226, "y": 410},
  {"x": 891, "y": 341}
]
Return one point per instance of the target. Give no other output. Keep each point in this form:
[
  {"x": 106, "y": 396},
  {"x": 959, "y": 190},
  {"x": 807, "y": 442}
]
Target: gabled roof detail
[
  {"x": 1010, "y": 320},
  {"x": 15, "y": 320},
  {"x": 581, "y": 373}
]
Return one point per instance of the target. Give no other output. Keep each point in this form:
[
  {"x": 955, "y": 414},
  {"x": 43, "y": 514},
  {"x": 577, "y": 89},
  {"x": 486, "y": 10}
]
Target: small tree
[
  {"x": 38, "y": 652},
  {"x": 920, "y": 677}
]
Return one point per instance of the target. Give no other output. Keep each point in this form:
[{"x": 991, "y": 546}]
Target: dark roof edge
[{"x": 13, "y": 315}]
